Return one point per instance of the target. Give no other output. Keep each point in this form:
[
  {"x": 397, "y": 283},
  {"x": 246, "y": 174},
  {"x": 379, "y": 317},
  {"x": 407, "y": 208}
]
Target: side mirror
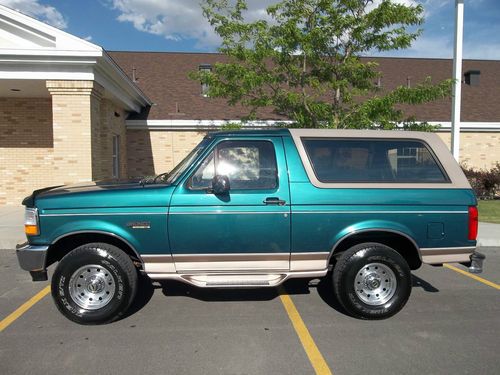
[{"x": 220, "y": 185}]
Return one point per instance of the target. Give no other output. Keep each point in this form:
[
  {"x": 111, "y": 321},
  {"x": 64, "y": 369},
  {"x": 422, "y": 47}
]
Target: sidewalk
[
  {"x": 11, "y": 226},
  {"x": 12, "y": 231}
]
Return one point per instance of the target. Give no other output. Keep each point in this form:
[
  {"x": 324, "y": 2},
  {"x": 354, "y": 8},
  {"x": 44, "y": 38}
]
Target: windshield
[{"x": 172, "y": 176}]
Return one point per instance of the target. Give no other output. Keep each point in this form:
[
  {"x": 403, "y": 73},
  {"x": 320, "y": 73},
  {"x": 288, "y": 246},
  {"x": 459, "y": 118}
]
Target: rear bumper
[
  {"x": 31, "y": 257},
  {"x": 442, "y": 255}
]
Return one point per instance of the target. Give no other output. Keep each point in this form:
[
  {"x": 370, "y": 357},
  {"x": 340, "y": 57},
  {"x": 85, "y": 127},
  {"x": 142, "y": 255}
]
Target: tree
[{"x": 303, "y": 61}]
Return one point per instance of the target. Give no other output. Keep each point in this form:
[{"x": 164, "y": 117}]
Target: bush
[{"x": 486, "y": 183}]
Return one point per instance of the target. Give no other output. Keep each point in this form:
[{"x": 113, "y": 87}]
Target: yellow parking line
[
  {"x": 472, "y": 276},
  {"x": 312, "y": 351},
  {"x": 23, "y": 308}
]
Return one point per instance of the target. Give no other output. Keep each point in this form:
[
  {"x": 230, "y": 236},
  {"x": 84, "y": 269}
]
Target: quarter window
[
  {"x": 373, "y": 160},
  {"x": 247, "y": 164}
]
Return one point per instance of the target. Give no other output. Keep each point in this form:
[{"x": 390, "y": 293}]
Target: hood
[
  {"x": 105, "y": 193},
  {"x": 92, "y": 186}
]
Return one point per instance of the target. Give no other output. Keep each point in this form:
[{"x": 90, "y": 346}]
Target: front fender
[{"x": 96, "y": 226}]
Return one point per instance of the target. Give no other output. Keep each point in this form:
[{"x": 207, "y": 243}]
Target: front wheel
[
  {"x": 372, "y": 281},
  {"x": 94, "y": 283}
]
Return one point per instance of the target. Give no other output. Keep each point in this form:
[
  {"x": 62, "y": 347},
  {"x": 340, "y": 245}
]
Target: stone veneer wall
[
  {"x": 479, "y": 150},
  {"x": 26, "y": 147},
  {"x": 156, "y": 151}
]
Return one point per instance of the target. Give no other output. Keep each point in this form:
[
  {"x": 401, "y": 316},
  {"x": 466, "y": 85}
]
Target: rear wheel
[
  {"x": 372, "y": 281},
  {"x": 94, "y": 283}
]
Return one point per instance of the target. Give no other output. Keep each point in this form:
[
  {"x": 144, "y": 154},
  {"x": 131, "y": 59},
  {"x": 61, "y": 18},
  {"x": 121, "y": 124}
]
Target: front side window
[
  {"x": 373, "y": 160},
  {"x": 247, "y": 164}
]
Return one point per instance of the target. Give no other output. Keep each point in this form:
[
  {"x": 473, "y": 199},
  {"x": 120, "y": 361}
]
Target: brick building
[{"x": 72, "y": 112}]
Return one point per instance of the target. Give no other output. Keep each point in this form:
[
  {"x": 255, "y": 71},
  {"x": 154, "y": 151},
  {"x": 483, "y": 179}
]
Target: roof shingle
[{"x": 163, "y": 76}]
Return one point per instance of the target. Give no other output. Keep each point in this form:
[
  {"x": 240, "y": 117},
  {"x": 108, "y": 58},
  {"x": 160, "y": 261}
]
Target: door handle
[{"x": 275, "y": 201}]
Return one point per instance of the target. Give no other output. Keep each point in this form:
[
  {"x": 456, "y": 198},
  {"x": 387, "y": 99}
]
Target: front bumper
[{"x": 32, "y": 258}]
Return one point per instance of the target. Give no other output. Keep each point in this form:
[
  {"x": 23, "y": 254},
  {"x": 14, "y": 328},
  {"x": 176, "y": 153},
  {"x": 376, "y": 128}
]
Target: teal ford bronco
[{"x": 255, "y": 208}]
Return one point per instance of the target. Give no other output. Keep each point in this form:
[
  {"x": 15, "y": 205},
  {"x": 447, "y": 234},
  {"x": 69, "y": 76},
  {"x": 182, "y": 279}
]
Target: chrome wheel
[
  {"x": 375, "y": 284},
  {"x": 92, "y": 287}
]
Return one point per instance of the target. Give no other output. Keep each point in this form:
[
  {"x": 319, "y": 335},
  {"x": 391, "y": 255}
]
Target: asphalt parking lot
[{"x": 451, "y": 325}]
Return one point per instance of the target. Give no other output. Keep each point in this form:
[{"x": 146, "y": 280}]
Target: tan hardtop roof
[
  {"x": 362, "y": 133},
  {"x": 438, "y": 147}
]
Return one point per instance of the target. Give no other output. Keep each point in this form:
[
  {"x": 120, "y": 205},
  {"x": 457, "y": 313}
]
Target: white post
[{"x": 457, "y": 76}]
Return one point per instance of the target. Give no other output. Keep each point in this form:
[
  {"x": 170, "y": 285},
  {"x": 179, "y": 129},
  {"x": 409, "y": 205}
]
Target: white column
[{"x": 457, "y": 76}]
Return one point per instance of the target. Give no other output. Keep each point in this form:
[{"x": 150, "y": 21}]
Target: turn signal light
[
  {"x": 31, "y": 230},
  {"x": 473, "y": 223},
  {"x": 31, "y": 227}
]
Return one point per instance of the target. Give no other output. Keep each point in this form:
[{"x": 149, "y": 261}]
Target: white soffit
[
  {"x": 444, "y": 126},
  {"x": 33, "y": 50}
]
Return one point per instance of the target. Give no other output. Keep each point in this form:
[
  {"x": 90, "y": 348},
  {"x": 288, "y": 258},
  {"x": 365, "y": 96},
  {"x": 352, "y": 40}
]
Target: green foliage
[
  {"x": 485, "y": 182},
  {"x": 303, "y": 61},
  {"x": 231, "y": 126}
]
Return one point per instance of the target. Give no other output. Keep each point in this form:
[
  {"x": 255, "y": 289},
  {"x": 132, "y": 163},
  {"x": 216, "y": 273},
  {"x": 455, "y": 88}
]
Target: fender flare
[
  {"x": 68, "y": 234},
  {"x": 358, "y": 231}
]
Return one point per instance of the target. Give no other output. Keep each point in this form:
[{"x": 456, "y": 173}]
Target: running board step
[
  {"x": 234, "y": 280},
  {"x": 240, "y": 283}
]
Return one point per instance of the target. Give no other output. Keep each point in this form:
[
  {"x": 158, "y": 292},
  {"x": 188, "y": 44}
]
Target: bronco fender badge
[{"x": 139, "y": 224}]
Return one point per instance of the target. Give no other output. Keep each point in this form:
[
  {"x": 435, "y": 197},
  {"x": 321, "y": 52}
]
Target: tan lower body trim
[
  {"x": 308, "y": 261},
  {"x": 232, "y": 262},
  {"x": 235, "y": 262},
  {"x": 158, "y": 263},
  {"x": 446, "y": 254}
]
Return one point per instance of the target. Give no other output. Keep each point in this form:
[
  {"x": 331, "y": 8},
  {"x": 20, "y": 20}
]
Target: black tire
[
  {"x": 351, "y": 270},
  {"x": 111, "y": 267}
]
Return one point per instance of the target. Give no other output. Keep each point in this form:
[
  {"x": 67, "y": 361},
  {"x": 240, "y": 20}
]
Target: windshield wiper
[
  {"x": 161, "y": 175},
  {"x": 152, "y": 180}
]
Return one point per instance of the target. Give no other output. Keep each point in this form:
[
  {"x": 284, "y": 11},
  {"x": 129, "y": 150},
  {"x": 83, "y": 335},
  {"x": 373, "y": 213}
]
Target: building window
[
  {"x": 205, "y": 68},
  {"x": 116, "y": 156}
]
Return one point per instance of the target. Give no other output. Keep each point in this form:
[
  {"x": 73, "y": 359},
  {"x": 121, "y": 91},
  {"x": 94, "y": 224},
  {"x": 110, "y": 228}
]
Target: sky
[{"x": 178, "y": 25}]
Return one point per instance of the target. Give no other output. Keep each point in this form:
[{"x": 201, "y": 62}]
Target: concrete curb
[
  {"x": 10, "y": 244},
  {"x": 488, "y": 243}
]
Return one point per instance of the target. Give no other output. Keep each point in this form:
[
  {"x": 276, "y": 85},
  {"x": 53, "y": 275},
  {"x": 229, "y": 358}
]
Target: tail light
[{"x": 473, "y": 223}]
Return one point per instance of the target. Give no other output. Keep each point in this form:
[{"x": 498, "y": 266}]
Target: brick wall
[
  {"x": 63, "y": 139},
  {"x": 112, "y": 122},
  {"x": 480, "y": 150},
  {"x": 26, "y": 147},
  {"x": 76, "y": 123},
  {"x": 38, "y": 149},
  {"x": 154, "y": 152}
]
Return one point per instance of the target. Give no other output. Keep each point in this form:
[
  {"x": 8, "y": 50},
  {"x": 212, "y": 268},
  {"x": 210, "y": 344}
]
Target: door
[{"x": 246, "y": 229}]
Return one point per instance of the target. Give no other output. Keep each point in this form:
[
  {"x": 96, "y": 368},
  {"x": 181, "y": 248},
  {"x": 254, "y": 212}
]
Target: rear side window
[{"x": 373, "y": 160}]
